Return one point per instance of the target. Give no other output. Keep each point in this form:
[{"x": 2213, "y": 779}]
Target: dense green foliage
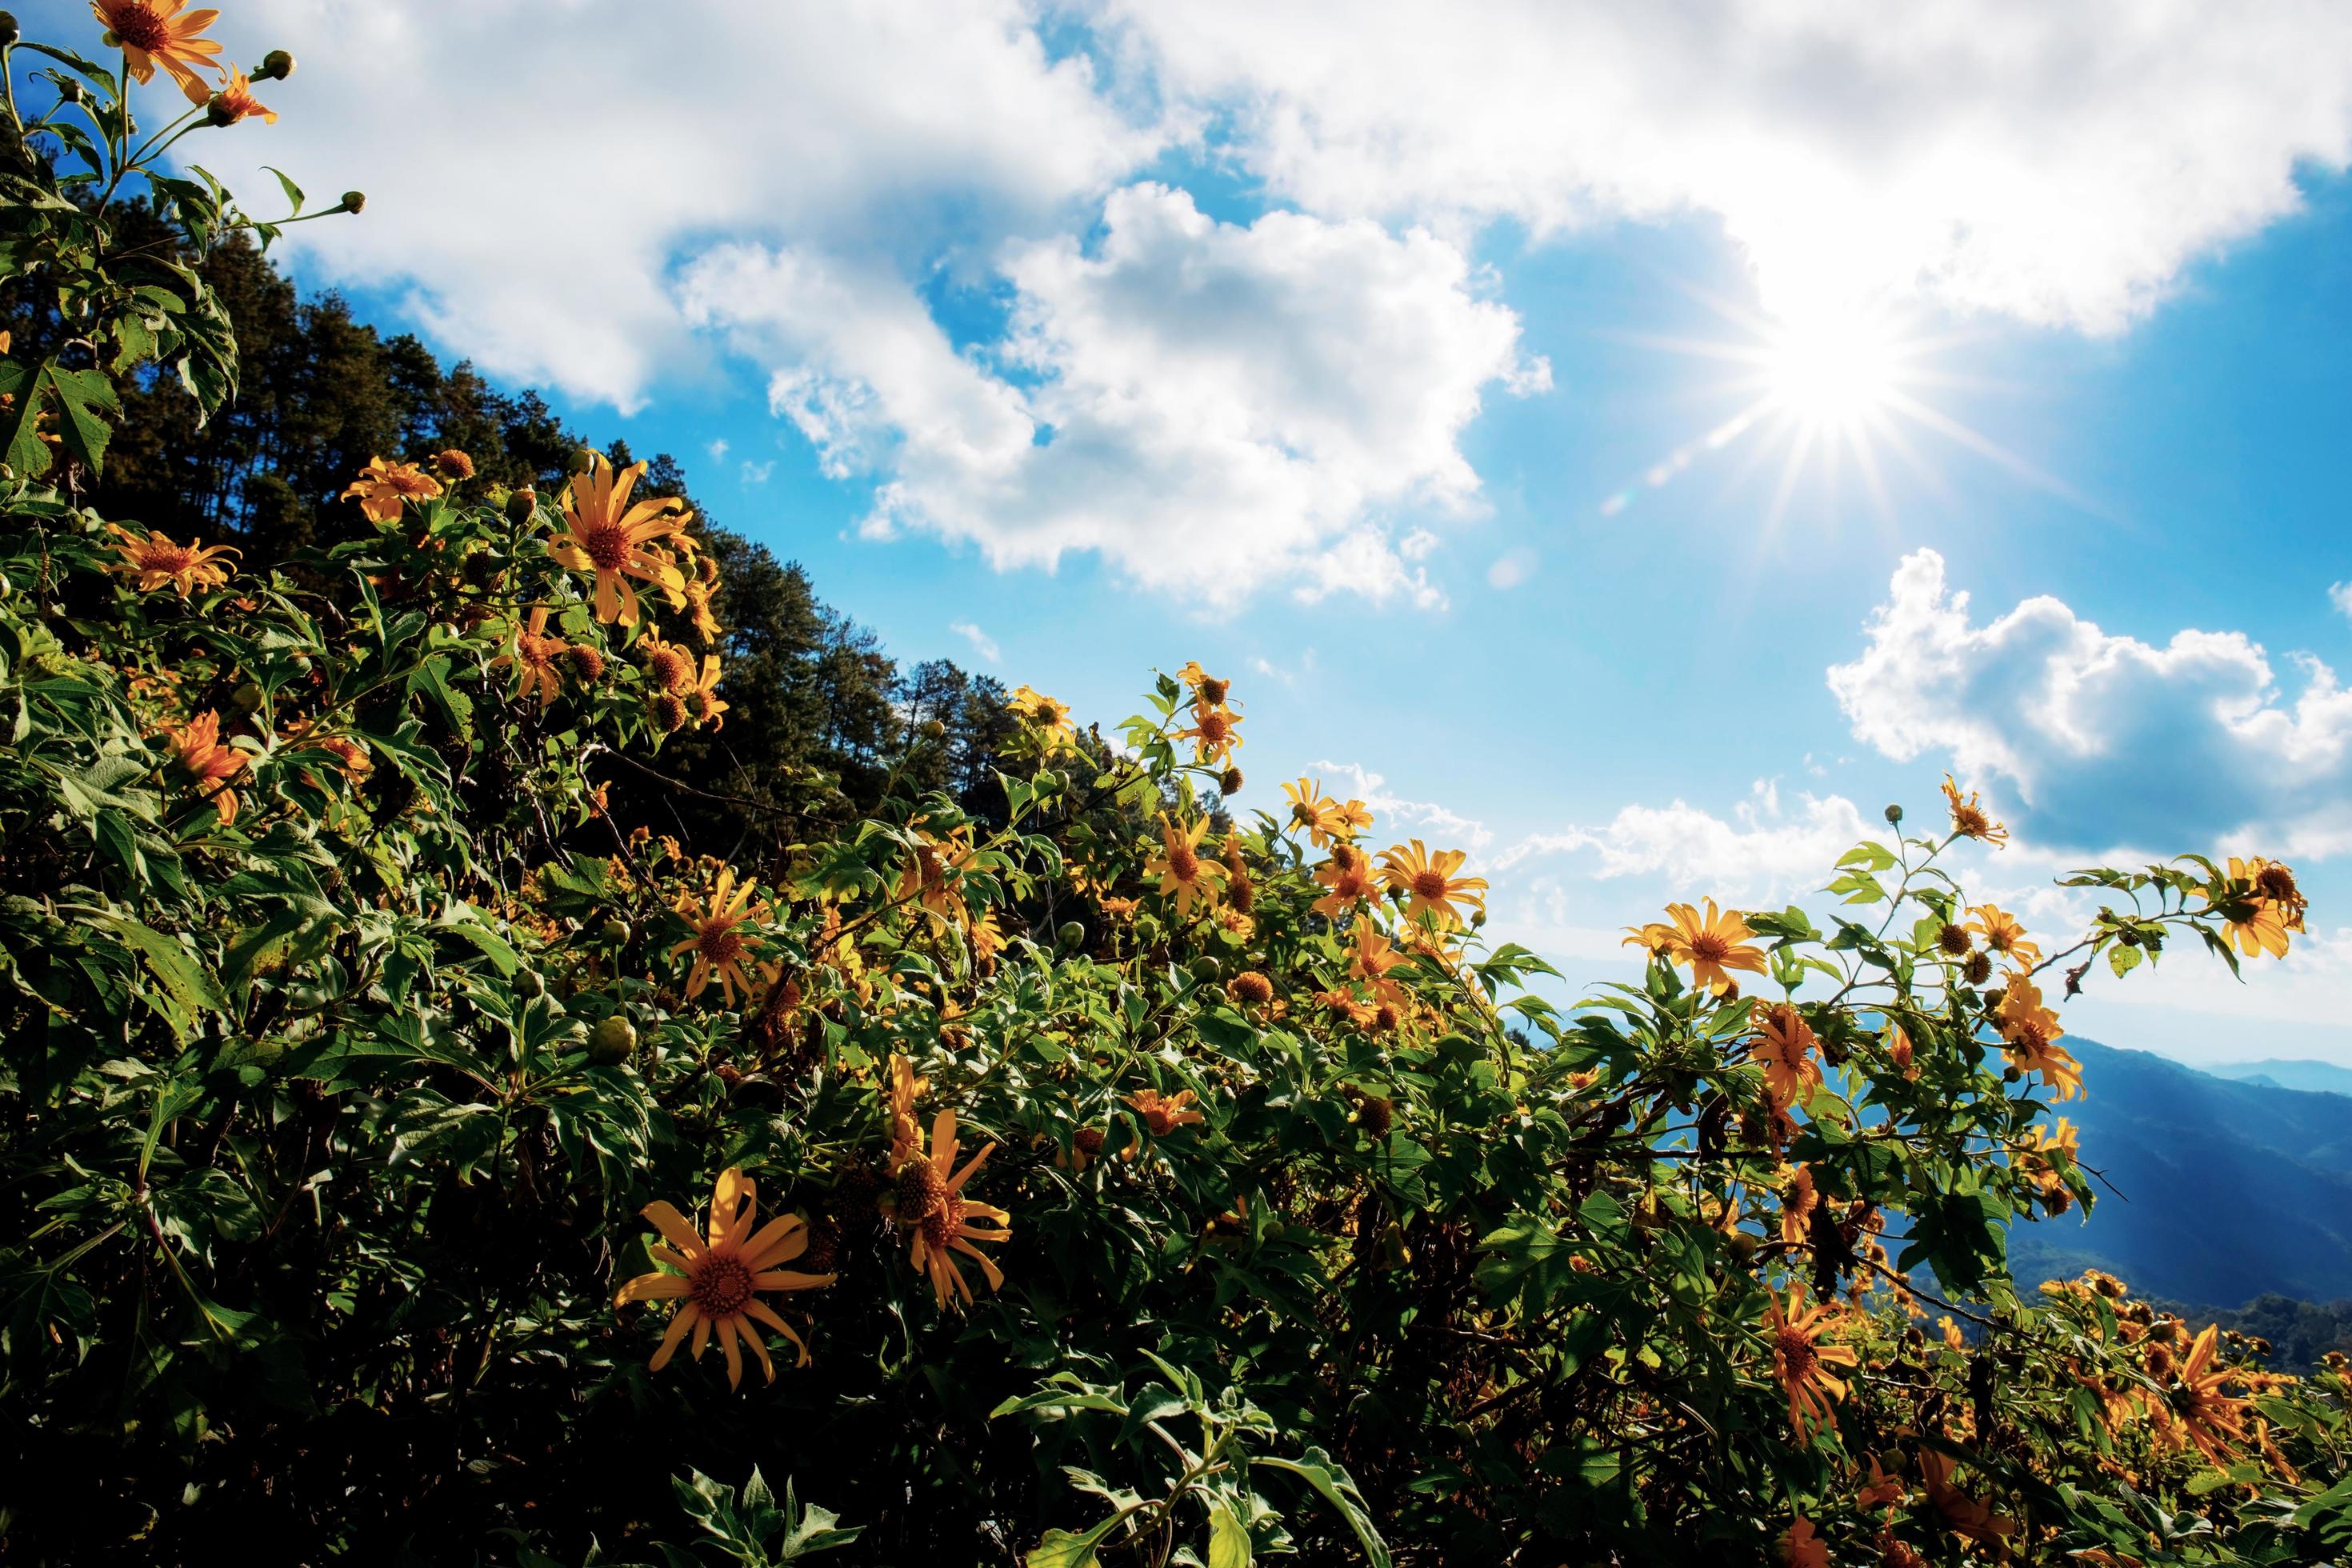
[{"x": 395, "y": 966}]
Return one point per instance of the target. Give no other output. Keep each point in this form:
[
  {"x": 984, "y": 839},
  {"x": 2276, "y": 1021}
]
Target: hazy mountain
[
  {"x": 2226, "y": 1189},
  {"x": 2323, "y": 1078}
]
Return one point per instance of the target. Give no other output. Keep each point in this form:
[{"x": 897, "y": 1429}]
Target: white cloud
[
  {"x": 1763, "y": 850},
  {"x": 1210, "y": 405},
  {"x": 2105, "y": 739},
  {"x": 1219, "y": 406},
  {"x": 981, "y": 643},
  {"x": 757, "y": 473},
  {"x": 2340, "y": 595},
  {"x": 551, "y": 165},
  {"x": 1404, "y": 816},
  {"x": 2060, "y": 164},
  {"x": 717, "y": 449}
]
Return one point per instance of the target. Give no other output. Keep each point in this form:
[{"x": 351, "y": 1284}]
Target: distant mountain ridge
[
  {"x": 2229, "y": 1188},
  {"x": 2278, "y": 1072}
]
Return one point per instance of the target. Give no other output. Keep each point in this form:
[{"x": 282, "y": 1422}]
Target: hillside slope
[{"x": 2224, "y": 1190}]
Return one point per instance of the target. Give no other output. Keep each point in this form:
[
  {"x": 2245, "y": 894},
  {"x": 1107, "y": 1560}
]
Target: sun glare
[
  {"x": 1835, "y": 369},
  {"x": 1833, "y": 389}
]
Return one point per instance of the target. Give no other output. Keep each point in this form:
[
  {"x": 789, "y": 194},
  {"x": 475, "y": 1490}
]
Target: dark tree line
[{"x": 823, "y": 724}]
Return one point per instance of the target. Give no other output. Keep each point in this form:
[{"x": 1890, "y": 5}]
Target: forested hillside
[{"x": 819, "y": 713}]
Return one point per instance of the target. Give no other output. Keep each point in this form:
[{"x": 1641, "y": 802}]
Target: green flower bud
[
  {"x": 8, "y": 27},
  {"x": 522, "y": 505},
  {"x": 1205, "y": 970},
  {"x": 276, "y": 65},
  {"x": 1071, "y": 933},
  {"x": 354, "y": 200},
  {"x": 933, "y": 729},
  {"x": 249, "y": 696},
  {"x": 1893, "y": 815},
  {"x": 582, "y": 461},
  {"x": 612, "y": 1042}
]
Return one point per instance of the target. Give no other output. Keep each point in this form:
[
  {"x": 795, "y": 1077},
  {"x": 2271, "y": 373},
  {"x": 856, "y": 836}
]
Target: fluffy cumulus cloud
[
  {"x": 1764, "y": 850},
  {"x": 2100, "y": 739},
  {"x": 596, "y": 196},
  {"x": 535, "y": 172},
  {"x": 1209, "y": 405},
  {"x": 2054, "y": 162}
]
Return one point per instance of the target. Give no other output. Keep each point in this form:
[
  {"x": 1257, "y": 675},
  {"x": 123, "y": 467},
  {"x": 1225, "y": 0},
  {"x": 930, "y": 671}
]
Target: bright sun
[
  {"x": 1834, "y": 388},
  {"x": 1837, "y": 370}
]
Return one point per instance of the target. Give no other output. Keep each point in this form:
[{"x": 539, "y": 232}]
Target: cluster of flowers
[{"x": 602, "y": 537}]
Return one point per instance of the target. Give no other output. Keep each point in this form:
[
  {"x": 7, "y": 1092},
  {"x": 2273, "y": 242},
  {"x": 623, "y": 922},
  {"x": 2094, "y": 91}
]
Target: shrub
[{"x": 1124, "y": 1181}]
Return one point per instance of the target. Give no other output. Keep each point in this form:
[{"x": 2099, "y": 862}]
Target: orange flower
[
  {"x": 1165, "y": 1114},
  {"x": 934, "y": 873},
  {"x": 1313, "y": 810},
  {"x": 534, "y": 656},
  {"x": 1215, "y": 732},
  {"x": 1784, "y": 1046},
  {"x": 1899, "y": 1052},
  {"x": 1429, "y": 882},
  {"x": 703, "y": 702},
  {"x": 1372, "y": 957},
  {"x": 718, "y": 1278},
  {"x": 210, "y": 762},
  {"x": 154, "y": 561},
  {"x": 1798, "y": 1199},
  {"x": 930, "y": 1204},
  {"x": 698, "y": 605},
  {"x": 153, "y": 33},
  {"x": 2003, "y": 935},
  {"x": 1963, "y": 1515},
  {"x": 1183, "y": 871},
  {"x": 383, "y": 488},
  {"x": 2030, "y": 1030},
  {"x": 1969, "y": 820},
  {"x": 905, "y": 1132},
  {"x": 236, "y": 101},
  {"x": 1878, "y": 1486},
  {"x": 668, "y": 668},
  {"x": 616, "y": 541},
  {"x": 1347, "y": 876},
  {"x": 1050, "y": 714},
  {"x": 1801, "y": 1362},
  {"x": 718, "y": 947},
  {"x": 1802, "y": 1547},
  {"x": 2278, "y": 906},
  {"x": 1711, "y": 945},
  {"x": 2215, "y": 1423}
]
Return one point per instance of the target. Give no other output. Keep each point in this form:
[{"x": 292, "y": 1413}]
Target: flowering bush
[{"x": 1113, "y": 1179}]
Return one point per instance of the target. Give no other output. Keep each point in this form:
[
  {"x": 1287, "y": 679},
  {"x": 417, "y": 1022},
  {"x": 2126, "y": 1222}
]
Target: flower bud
[
  {"x": 1231, "y": 784},
  {"x": 354, "y": 200},
  {"x": 1071, "y": 934},
  {"x": 933, "y": 729},
  {"x": 219, "y": 113},
  {"x": 71, "y": 92},
  {"x": 582, "y": 461},
  {"x": 276, "y": 65},
  {"x": 522, "y": 505},
  {"x": 8, "y": 27},
  {"x": 1893, "y": 815}
]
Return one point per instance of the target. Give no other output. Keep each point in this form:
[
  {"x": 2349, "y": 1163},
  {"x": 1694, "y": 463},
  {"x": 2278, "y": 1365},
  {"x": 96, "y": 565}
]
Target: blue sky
[{"x": 1318, "y": 353}]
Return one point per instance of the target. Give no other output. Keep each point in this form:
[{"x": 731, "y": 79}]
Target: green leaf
[
  {"x": 293, "y": 192},
  {"x": 187, "y": 988},
  {"x": 1060, "y": 1549},
  {"x": 78, "y": 398},
  {"x": 1229, "y": 1541},
  {"x": 1331, "y": 1481}
]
